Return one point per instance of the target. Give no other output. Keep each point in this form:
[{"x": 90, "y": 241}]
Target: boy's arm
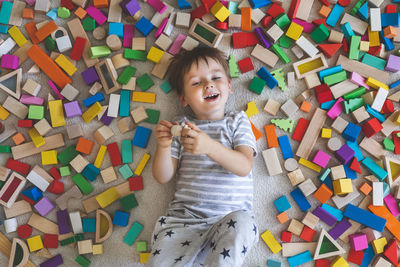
[{"x": 164, "y": 165}]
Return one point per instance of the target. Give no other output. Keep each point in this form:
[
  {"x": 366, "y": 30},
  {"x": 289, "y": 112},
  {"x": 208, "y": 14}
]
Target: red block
[
  {"x": 324, "y": 2},
  {"x": 387, "y": 107},
  {"x": 55, "y": 173},
  {"x": 317, "y": 22},
  {"x": 300, "y": 130},
  {"x": 329, "y": 49},
  {"x": 345, "y": 45},
  {"x": 396, "y": 141},
  {"x": 27, "y": 199},
  {"x": 239, "y": 40},
  {"x": 114, "y": 154},
  {"x": 136, "y": 183},
  {"x": 199, "y": 12},
  {"x": 25, "y": 123},
  {"x": 24, "y": 231},
  {"x": 374, "y": 50},
  {"x": 221, "y": 25},
  {"x": 355, "y": 165},
  {"x": 355, "y": 256},
  {"x": 294, "y": 6},
  {"x": 50, "y": 241},
  {"x": 344, "y": 3},
  {"x": 265, "y": 21},
  {"x": 68, "y": 4},
  {"x": 252, "y": 39},
  {"x": 245, "y": 65},
  {"x": 78, "y": 48},
  {"x": 55, "y": 187},
  {"x": 208, "y": 3},
  {"x": 286, "y": 236},
  {"x": 391, "y": 252},
  {"x": 322, "y": 263},
  {"x": 323, "y": 93},
  {"x": 307, "y": 234},
  {"x": 275, "y": 10},
  {"x": 391, "y": 9},
  {"x": 18, "y": 166},
  {"x": 371, "y": 127}
]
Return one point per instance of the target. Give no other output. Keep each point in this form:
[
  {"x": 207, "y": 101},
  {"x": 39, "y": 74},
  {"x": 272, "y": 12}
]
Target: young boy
[{"x": 210, "y": 220}]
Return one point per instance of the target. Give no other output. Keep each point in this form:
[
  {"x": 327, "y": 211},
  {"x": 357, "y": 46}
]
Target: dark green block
[
  {"x": 282, "y": 21},
  {"x": 5, "y": 149},
  {"x": 1, "y": 184},
  {"x": 88, "y": 24},
  {"x": 126, "y": 75},
  {"x": 49, "y": 44},
  {"x": 128, "y": 202},
  {"x": 355, "y": 93},
  {"x": 68, "y": 241},
  {"x": 67, "y": 155},
  {"x": 145, "y": 82},
  {"x": 166, "y": 87},
  {"x": 79, "y": 237},
  {"x": 257, "y": 85},
  {"x": 285, "y": 41},
  {"x": 153, "y": 116},
  {"x": 205, "y": 33},
  {"x": 135, "y": 54},
  {"x": 82, "y": 261},
  {"x": 82, "y": 183},
  {"x": 320, "y": 33}
]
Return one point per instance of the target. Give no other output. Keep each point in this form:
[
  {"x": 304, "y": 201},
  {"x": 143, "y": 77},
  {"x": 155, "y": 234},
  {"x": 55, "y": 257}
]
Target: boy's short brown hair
[{"x": 182, "y": 62}]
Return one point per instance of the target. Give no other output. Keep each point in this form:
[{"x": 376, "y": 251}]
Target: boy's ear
[
  {"x": 230, "y": 86},
  {"x": 182, "y": 100}
]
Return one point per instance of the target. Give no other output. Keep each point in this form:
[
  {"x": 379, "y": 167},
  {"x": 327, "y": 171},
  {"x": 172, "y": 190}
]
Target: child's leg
[{"x": 231, "y": 239}]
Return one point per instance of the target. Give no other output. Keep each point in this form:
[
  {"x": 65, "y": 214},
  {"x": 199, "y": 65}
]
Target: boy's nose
[{"x": 209, "y": 85}]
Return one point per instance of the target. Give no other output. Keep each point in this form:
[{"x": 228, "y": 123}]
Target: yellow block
[
  {"x": 97, "y": 249},
  {"x": 56, "y": 113},
  {"x": 373, "y": 38},
  {"x": 17, "y": 36},
  {"x": 49, "y": 157},
  {"x": 3, "y": 113},
  {"x": 309, "y": 165},
  {"x": 271, "y": 242},
  {"x": 155, "y": 54},
  {"x": 100, "y": 156},
  {"x": 65, "y": 64},
  {"x": 220, "y": 11},
  {"x": 310, "y": 65},
  {"x": 294, "y": 31},
  {"x": 339, "y": 262},
  {"x": 107, "y": 197},
  {"x": 342, "y": 186},
  {"x": 326, "y": 133},
  {"x": 144, "y": 97},
  {"x": 37, "y": 139},
  {"x": 397, "y": 120},
  {"x": 364, "y": 46},
  {"x": 251, "y": 109},
  {"x": 144, "y": 257},
  {"x": 35, "y": 243},
  {"x": 142, "y": 164},
  {"x": 92, "y": 112},
  {"x": 376, "y": 84},
  {"x": 379, "y": 244}
]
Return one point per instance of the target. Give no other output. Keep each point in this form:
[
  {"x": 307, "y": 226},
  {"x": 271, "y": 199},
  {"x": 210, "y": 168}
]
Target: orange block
[
  {"x": 246, "y": 18},
  {"x": 282, "y": 217},
  {"x": 392, "y": 224},
  {"x": 46, "y": 30},
  {"x": 365, "y": 188},
  {"x": 323, "y": 193},
  {"x": 18, "y": 139},
  {"x": 306, "y": 106},
  {"x": 324, "y": 11},
  {"x": 80, "y": 13},
  {"x": 256, "y": 132},
  {"x": 28, "y": 13},
  {"x": 84, "y": 145},
  {"x": 270, "y": 134},
  {"x": 389, "y": 32},
  {"x": 31, "y": 29},
  {"x": 100, "y": 3},
  {"x": 48, "y": 66}
]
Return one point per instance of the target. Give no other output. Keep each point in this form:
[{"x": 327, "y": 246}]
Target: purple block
[
  {"x": 9, "y": 62},
  {"x": 96, "y": 14},
  {"x": 393, "y": 63},
  {"x": 53, "y": 262},
  {"x": 63, "y": 222},
  {"x": 324, "y": 216},
  {"x": 262, "y": 38},
  {"x": 72, "y": 109},
  {"x": 339, "y": 229},
  {"x": 128, "y": 35},
  {"x": 44, "y": 206},
  {"x": 106, "y": 119},
  {"x": 307, "y": 26},
  {"x": 345, "y": 154},
  {"x": 31, "y": 100},
  {"x": 130, "y": 6},
  {"x": 90, "y": 76}
]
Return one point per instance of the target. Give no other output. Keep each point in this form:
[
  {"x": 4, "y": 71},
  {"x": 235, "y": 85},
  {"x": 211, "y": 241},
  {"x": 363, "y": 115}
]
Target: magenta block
[
  {"x": 55, "y": 89},
  {"x": 336, "y": 109},
  {"x": 96, "y": 15},
  {"x": 157, "y": 5},
  {"x": 307, "y": 26},
  {"x": 321, "y": 158},
  {"x": 31, "y": 100},
  {"x": 160, "y": 29},
  {"x": 391, "y": 203},
  {"x": 30, "y": 2},
  {"x": 177, "y": 44},
  {"x": 9, "y": 62},
  {"x": 393, "y": 63},
  {"x": 128, "y": 35},
  {"x": 44, "y": 206},
  {"x": 358, "y": 241},
  {"x": 72, "y": 109}
]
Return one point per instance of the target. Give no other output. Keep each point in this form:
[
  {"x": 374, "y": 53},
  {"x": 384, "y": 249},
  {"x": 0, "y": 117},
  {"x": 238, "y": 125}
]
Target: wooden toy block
[
  {"x": 295, "y": 227},
  {"x": 164, "y": 42},
  {"x": 372, "y": 147},
  {"x": 377, "y": 193},
  {"x": 11, "y": 189},
  {"x": 18, "y": 139},
  {"x": 161, "y": 67},
  {"x": 205, "y": 33},
  {"x": 104, "y": 226},
  {"x": 272, "y": 107},
  {"x": 310, "y": 220},
  {"x": 73, "y": 192},
  {"x": 102, "y": 134},
  {"x": 18, "y": 208},
  {"x": 282, "y": 217},
  {"x": 79, "y": 163},
  {"x": 296, "y": 177},
  {"x": 309, "y": 65},
  {"x": 35, "y": 243},
  {"x": 10, "y": 225},
  {"x": 271, "y": 242},
  {"x": 124, "y": 125},
  {"x": 76, "y": 222},
  {"x": 85, "y": 246},
  {"x": 108, "y": 175}
]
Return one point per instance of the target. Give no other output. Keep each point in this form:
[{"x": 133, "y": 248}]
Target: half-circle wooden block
[
  {"x": 19, "y": 253},
  {"x": 104, "y": 226}
]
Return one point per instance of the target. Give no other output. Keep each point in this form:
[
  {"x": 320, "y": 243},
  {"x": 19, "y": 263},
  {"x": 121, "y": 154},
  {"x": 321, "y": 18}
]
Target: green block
[
  {"x": 63, "y": 12},
  {"x": 279, "y": 75},
  {"x": 135, "y": 54},
  {"x": 82, "y": 183},
  {"x": 281, "y": 54},
  {"x": 145, "y": 82},
  {"x": 320, "y": 33},
  {"x": 50, "y": 44},
  {"x": 355, "y": 93},
  {"x": 67, "y": 155},
  {"x": 354, "y": 47},
  {"x": 79, "y": 237},
  {"x": 36, "y": 112},
  {"x": 153, "y": 115},
  {"x": 388, "y": 144},
  {"x": 233, "y": 67},
  {"x": 5, "y": 149},
  {"x": 128, "y": 202},
  {"x": 357, "y": 7},
  {"x": 284, "y": 124},
  {"x": 99, "y": 51},
  {"x": 126, "y": 151},
  {"x": 282, "y": 21},
  {"x": 65, "y": 171},
  {"x": 398, "y": 134},
  {"x": 257, "y": 85},
  {"x": 141, "y": 246},
  {"x": 205, "y": 33},
  {"x": 285, "y": 41},
  {"x": 82, "y": 261},
  {"x": 166, "y": 87},
  {"x": 133, "y": 233},
  {"x": 125, "y": 171},
  {"x": 335, "y": 78},
  {"x": 373, "y": 61},
  {"x": 1, "y": 184},
  {"x": 353, "y": 104},
  {"x": 68, "y": 241},
  {"x": 126, "y": 75},
  {"x": 89, "y": 24}
]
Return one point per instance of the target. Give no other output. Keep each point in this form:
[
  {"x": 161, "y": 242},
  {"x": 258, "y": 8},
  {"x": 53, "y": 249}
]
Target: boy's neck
[{"x": 211, "y": 117}]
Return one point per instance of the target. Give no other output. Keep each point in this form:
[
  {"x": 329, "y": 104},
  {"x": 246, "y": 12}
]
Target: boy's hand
[
  {"x": 163, "y": 133},
  {"x": 194, "y": 140}
]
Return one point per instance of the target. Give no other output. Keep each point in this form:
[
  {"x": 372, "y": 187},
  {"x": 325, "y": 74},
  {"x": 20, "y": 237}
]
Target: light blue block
[
  {"x": 89, "y": 225},
  {"x": 374, "y": 168},
  {"x": 363, "y": 11},
  {"x": 338, "y": 214},
  {"x": 5, "y": 12},
  {"x": 327, "y": 105},
  {"x": 374, "y": 61},
  {"x": 300, "y": 259},
  {"x": 133, "y": 233},
  {"x": 325, "y": 174},
  {"x": 233, "y": 7},
  {"x": 3, "y": 29},
  {"x": 376, "y": 114},
  {"x": 329, "y": 71},
  {"x": 282, "y": 204},
  {"x": 347, "y": 30},
  {"x": 116, "y": 28},
  {"x": 273, "y": 263},
  {"x": 126, "y": 151},
  {"x": 334, "y": 16},
  {"x": 52, "y": 14}
]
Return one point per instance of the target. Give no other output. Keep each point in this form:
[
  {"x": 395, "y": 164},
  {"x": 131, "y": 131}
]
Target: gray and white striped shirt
[{"x": 203, "y": 186}]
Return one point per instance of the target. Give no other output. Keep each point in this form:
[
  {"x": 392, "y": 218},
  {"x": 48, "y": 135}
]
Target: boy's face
[{"x": 206, "y": 90}]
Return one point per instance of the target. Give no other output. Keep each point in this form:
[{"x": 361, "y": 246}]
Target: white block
[
  {"x": 377, "y": 193},
  {"x": 7, "y": 46},
  {"x": 291, "y": 79},
  {"x": 63, "y": 44},
  {"x": 113, "y": 105},
  {"x": 37, "y": 180},
  {"x": 11, "y": 225},
  {"x": 69, "y": 92},
  {"x": 380, "y": 99},
  {"x": 375, "y": 19},
  {"x": 76, "y": 222},
  {"x": 307, "y": 46},
  {"x": 257, "y": 15}
]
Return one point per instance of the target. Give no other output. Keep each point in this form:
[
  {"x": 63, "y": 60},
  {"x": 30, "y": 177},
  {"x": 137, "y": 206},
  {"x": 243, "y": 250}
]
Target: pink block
[
  {"x": 177, "y": 44},
  {"x": 225, "y": 3},
  {"x": 321, "y": 158},
  {"x": 96, "y": 15},
  {"x": 31, "y": 100},
  {"x": 157, "y": 5},
  {"x": 54, "y": 87},
  {"x": 30, "y": 2},
  {"x": 358, "y": 241},
  {"x": 128, "y": 35},
  {"x": 336, "y": 109},
  {"x": 44, "y": 206},
  {"x": 161, "y": 28},
  {"x": 9, "y": 62},
  {"x": 365, "y": 37},
  {"x": 391, "y": 203},
  {"x": 358, "y": 79},
  {"x": 307, "y": 26}
]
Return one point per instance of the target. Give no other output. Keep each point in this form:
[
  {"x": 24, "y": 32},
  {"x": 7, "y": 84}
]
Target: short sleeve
[{"x": 243, "y": 134}]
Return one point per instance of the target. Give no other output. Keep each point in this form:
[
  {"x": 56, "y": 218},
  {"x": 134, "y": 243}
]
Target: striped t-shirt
[{"x": 203, "y": 186}]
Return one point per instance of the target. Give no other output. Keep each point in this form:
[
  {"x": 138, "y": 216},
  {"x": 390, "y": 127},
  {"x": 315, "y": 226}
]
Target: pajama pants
[{"x": 190, "y": 241}]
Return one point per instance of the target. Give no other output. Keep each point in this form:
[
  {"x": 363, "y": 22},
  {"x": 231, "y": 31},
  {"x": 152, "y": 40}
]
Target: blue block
[
  {"x": 349, "y": 172},
  {"x": 325, "y": 174},
  {"x": 368, "y": 255},
  {"x": 329, "y": 71},
  {"x": 141, "y": 137},
  {"x": 285, "y": 147},
  {"x": 374, "y": 168},
  {"x": 273, "y": 263},
  {"x": 33, "y": 193},
  {"x": 395, "y": 84},
  {"x": 121, "y": 218},
  {"x": 374, "y": 113},
  {"x": 4, "y": 28},
  {"x": 183, "y": 4},
  {"x": 351, "y": 132},
  {"x": 116, "y": 28},
  {"x": 90, "y": 172},
  {"x": 264, "y": 74},
  {"x": 300, "y": 199},
  {"x": 144, "y": 26},
  {"x": 282, "y": 204},
  {"x": 363, "y": 11},
  {"x": 327, "y": 105},
  {"x": 5, "y": 12},
  {"x": 124, "y": 103},
  {"x": 390, "y": 19},
  {"x": 52, "y": 14},
  {"x": 386, "y": 41},
  {"x": 328, "y": 182},
  {"x": 338, "y": 214},
  {"x": 93, "y": 99},
  {"x": 334, "y": 15},
  {"x": 89, "y": 225},
  {"x": 347, "y": 30},
  {"x": 300, "y": 259},
  {"x": 259, "y": 3},
  {"x": 364, "y": 217},
  {"x": 356, "y": 149}
]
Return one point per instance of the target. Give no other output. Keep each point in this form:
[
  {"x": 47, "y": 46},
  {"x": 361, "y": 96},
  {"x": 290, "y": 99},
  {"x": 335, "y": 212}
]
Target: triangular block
[
  {"x": 34, "y": 70},
  {"x": 363, "y": 11},
  {"x": 391, "y": 252},
  {"x": 44, "y": 253},
  {"x": 256, "y": 132},
  {"x": 329, "y": 49},
  {"x": 183, "y": 4},
  {"x": 11, "y": 83},
  {"x": 327, "y": 246},
  {"x": 395, "y": 97},
  {"x": 392, "y": 166},
  {"x": 355, "y": 165}
]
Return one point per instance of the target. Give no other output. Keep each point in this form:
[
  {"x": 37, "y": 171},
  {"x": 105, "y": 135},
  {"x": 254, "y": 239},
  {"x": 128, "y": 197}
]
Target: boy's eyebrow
[{"x": 213, "y": 70}]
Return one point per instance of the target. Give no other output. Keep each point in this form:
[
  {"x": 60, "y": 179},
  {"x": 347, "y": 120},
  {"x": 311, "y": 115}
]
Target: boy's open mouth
[{"x": 211, "y": 97}]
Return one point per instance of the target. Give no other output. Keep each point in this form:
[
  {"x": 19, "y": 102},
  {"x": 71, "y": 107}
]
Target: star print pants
[{"x": 217, "y": 241}]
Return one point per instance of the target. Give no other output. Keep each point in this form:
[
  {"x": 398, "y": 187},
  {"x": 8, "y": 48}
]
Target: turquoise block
[
  {"x": 126, "y": 147},
  {"x": 5, "y": 12},
  {"x": 125, "y": 171},
  {"x": 338, "y": 214},
  {"x": 89, "y": 225},
  {"x": 373, "y": 61},
  {"x": 124, "y": 103},
  {"x": 133, "y": 233},
  {"x": 374, "y": 168},
  {"x": 299, "y": 259}
]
